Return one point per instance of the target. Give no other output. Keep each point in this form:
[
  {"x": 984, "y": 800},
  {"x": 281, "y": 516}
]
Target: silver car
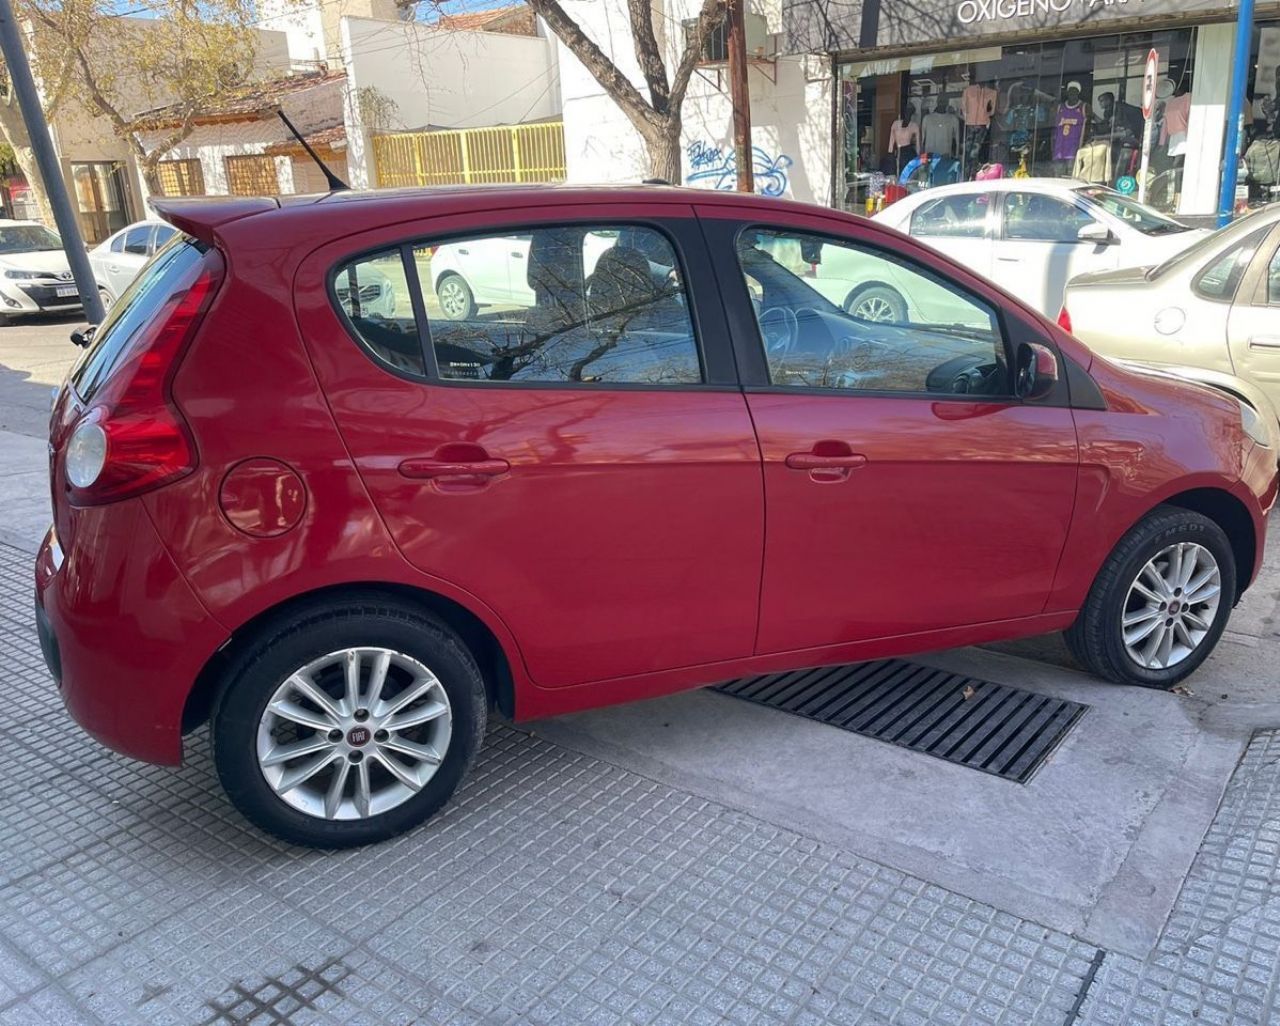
[
  {"x": 1211, "y": 313},
  {"x": 117, "y": 260}
]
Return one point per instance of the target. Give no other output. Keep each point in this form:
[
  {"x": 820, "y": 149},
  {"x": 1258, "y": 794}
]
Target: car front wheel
[
  {"x": 348, "y": 725},
  {"x": 1160, "y": 602}
]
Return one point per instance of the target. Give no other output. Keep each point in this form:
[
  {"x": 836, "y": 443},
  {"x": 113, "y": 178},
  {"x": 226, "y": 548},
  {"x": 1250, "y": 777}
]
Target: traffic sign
[{"x": 1149, "y": 78}]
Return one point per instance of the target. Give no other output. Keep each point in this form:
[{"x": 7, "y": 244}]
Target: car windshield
[
  {"x": 1136, "y": 215},
  {"x": 27, "y": 238},
  {"x": 1222, "y": 239}
]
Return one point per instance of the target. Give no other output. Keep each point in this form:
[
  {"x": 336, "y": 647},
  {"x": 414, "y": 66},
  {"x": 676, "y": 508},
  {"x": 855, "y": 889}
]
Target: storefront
[{"x": 1044, "y": 88}]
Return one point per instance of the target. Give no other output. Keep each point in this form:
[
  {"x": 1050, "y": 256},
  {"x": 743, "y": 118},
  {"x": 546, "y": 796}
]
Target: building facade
[{"x": 1041, "y": 87}]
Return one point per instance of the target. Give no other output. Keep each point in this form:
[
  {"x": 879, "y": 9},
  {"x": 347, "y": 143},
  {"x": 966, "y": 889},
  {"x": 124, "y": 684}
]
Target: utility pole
[
  {"x": 24, "y": 88},
  {"x": 739, "y": 93},
  {"x": 1240, "y": 72}
]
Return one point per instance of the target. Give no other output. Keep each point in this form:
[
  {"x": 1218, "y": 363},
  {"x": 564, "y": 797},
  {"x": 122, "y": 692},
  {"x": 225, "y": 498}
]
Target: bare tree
[
  {"x": 186, "y": 59},
  {"x": 658, "y": 118}
]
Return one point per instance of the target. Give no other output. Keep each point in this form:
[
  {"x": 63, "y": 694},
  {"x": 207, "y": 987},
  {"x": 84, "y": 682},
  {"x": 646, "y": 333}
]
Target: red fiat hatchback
[{"x": 339, "y": 475}]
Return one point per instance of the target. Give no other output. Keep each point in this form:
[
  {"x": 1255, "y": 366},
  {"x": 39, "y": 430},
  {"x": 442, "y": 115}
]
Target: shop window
[
  {"x": 180, "y": 177},
  {"x": 1035, "y": 217},
  {"x": 252, "y": 176},
  {"x": 963, "y": 216},
  {"x": 834, "y": 314}
]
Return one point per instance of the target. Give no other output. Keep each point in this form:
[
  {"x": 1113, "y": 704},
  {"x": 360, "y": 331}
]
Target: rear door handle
[
  {"x": 427, "y": 469},
  {"x": 1264, "y": 342},
  {"x": 812, "y": 461}
]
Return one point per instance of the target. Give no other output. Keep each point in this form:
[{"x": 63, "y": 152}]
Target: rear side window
[
  {"x": 963, "y": 217},
  {"x": 1220, "y": 278},
  {"x": 582, "y": 304},
  {"x": 140, "y": 302}
]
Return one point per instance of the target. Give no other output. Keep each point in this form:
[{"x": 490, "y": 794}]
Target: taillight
[
  {"x": 1064, "y": 320},
  {"x": 133, "y": 438}
]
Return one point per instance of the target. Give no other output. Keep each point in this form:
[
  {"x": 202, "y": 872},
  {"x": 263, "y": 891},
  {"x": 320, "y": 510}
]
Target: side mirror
[
  {"x": 1096, "y": 233},
  {"x": 1035, "y": 371}
]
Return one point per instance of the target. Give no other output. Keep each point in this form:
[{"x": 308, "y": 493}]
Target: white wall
[
  {"x": 301, "y": 24},
  {"x": 441, "y": 79},
  {"x": 791, "y": 119}
]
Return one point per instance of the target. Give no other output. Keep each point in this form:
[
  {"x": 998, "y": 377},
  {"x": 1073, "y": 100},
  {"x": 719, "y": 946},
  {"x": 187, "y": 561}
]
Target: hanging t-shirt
[
  {"x": 1177, "y": 115},
  {"x": 977, "y": 104},
  {"x": 941, "y": 133},
  {"x": 1069, "y": 131},
  {"x": 901, "y": 135}
]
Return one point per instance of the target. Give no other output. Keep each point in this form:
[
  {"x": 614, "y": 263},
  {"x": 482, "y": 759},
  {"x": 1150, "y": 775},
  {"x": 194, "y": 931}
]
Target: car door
[
  {"x": 959, "y": 224},
  {"x": 1040, "y": 250},
  {"x": 906, "y": 490},
  {"x": 1253, "y": 322},
  {"x": 585, "y": 464}
]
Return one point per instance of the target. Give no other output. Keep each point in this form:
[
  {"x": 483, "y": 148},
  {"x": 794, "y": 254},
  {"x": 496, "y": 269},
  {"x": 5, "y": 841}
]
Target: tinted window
[
  {"x": 163, "y": 234},
  {"x": 596, "y": 304},
  {"x": 833, "y": 314},
  {"x": 373, "y": 292},
  {"x": 130, "y": 314},
  {"x": 117, "y": 243},
  {"x": 953, "y": 216},
  {"x": 135, "y": 240},
  {"x": 1220, "y": 277},
  {"x": 1035, "y": 217}
]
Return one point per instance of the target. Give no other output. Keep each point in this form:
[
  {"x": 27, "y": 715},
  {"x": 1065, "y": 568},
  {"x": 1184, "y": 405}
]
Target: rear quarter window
[{"x": 140, "y": 302}]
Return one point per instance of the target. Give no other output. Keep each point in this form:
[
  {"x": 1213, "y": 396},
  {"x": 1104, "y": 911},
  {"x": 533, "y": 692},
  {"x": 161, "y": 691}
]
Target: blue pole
[{"x": 1239, "y": 79}]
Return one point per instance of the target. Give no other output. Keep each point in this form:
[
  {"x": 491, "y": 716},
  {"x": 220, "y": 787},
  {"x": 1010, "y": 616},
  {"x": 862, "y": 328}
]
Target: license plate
[{"x": 66, "y": 290}]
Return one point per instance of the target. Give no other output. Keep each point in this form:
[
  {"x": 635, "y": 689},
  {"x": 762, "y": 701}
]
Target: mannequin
[
  {"x": 1069, "y": 130},
  {"x": 977, "y": 105},
  {"x": 1122, "y": 122},
  {"x": 940, "y": 131},
  {"x": 904, "y": 138},
  {"x": 1177, "y": 114}
]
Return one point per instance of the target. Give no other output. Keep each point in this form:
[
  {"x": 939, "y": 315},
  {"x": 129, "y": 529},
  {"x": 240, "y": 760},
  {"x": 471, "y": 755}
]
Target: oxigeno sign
[{"x": 969, "y": 12}]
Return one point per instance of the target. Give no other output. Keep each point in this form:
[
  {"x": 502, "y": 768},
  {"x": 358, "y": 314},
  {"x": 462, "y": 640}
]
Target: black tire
[
  {"x": 1096, "y": 638},
  {"x": 254, "y": 676},
  {"x": 461, "y": 309},
  {"x": 887, "y": 302},
  {"x": 104, "y": 297}
]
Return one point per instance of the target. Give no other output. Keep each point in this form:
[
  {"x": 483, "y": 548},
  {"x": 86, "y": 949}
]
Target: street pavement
[{"x": 694, "y": 859}]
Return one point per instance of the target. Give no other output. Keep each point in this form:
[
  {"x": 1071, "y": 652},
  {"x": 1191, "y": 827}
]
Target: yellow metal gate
[{"x": 514, "y": 153}]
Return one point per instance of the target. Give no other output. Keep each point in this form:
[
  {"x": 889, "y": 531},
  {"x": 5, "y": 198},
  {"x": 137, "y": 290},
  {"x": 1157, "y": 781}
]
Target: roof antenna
[{"x": 336, "y": 184}]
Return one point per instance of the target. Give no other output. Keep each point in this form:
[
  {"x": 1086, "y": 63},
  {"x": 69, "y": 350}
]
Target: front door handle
[
  {"x": 1264, "y": 342},
  {"x": 428, "y": 469},
  {"x": 812, "y": 461}
]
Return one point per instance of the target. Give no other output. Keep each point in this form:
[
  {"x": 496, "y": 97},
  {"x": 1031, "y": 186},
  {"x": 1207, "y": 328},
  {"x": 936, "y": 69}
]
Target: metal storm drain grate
[{"x": 997, "y": 729}]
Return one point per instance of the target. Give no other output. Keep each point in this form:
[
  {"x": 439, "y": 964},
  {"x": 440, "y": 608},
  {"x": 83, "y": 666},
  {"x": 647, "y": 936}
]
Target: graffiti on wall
[{"x": 712, "y": 165}]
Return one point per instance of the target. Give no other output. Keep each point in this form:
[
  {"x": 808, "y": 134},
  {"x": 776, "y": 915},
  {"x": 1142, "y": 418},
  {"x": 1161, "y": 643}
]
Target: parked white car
[
  {"x": 35, "y": 277},
  {"x": 494, "y": 271},
  {"x": 1211, "y": 313},
  {"x": 117, "y": 260},
  {"x": 1033, "y": 235}
]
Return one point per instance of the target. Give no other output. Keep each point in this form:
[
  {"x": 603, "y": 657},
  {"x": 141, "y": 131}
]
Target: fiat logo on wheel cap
[{"x": 358, "y": 737}]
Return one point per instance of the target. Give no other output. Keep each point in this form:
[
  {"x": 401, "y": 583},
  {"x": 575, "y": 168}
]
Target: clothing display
[
  {"x": 901, "y": 135},
  {"x": 940, "y": 133},
  {"x": 1177, "y": 116},
  {"x": 977, "y": 104},
  {"x": 1069, "y": 131},
  {"x": 1093, "y": 161}
]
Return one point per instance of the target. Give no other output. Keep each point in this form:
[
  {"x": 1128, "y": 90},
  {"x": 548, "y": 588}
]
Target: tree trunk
[
  {"x": 15, "y": 134},
  {"x": 663, "y": 145}
]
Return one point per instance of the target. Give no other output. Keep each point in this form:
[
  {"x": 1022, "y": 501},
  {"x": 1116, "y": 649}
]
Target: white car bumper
[{"x": 37, "y": 296}]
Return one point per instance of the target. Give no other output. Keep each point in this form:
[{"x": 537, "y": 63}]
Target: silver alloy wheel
[
  {"x": 873, "y": 308},
  {"x": 354, "y": 733},
  {"x": 1171, "y": 605},
  {"x": 454, "y": 301}
]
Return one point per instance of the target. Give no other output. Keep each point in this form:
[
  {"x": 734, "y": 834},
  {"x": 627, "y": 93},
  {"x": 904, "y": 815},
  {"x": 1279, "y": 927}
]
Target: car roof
[{"x": 205, "y": 217}]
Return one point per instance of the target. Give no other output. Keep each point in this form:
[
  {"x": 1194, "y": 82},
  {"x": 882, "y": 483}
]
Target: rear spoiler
[{"x": 199, "y": 217}]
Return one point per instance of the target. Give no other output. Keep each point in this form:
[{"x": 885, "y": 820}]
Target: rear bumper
[{"x": 121, "y": 631}]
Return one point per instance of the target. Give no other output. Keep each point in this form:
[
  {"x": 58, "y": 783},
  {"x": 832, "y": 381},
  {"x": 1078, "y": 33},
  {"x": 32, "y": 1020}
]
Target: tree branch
[
  {"x": 649, "y": 54},
  {"x": 614, "y": 82},
  {"x": 711, "y": 15}
]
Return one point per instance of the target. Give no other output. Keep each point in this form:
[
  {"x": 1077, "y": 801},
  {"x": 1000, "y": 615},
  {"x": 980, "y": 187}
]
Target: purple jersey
[{"x": 1070, "y": 129}]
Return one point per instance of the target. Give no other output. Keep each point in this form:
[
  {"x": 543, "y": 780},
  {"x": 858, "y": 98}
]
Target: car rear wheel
[
  {"x": 105, "y": 297},
  {"x": 456, "y": 301},
  {"x": 1160, "y": 602},
  {"x": 876, "y": 303},
  {"x": 348, "y": 725}
]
